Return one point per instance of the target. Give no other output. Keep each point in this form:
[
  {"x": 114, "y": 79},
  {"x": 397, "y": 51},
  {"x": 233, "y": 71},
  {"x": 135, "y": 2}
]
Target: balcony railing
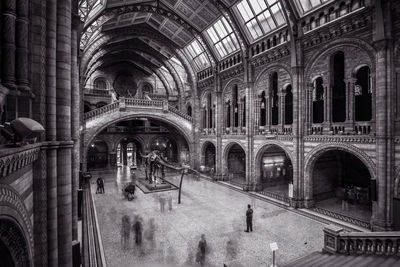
[
  {"x": 180, "y": 113},
  {"x": 92, "y": 249},
  {"x": 110, "y": 108},
  {"x": 336, "y": 240}
]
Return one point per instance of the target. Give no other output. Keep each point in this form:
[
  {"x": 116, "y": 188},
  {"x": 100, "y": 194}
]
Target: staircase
[
  {"x": 353, "y": 249},
  {"x": 321, "y": 259}
]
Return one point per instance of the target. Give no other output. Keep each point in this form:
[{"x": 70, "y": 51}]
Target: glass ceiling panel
[
  {"x": 222, "y": 37},
  {"x": 198, "y": 55},
  {"x": 260, "y": 16},
  {"x": 306, "y": 5}
]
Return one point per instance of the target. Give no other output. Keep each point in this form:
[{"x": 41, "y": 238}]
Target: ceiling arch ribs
[
  {"x": 127, "y": 34},
  {"x": 124, "y": 35},
  {"x": 157, "y": 61},
  {"x": 114, "y": 57}
]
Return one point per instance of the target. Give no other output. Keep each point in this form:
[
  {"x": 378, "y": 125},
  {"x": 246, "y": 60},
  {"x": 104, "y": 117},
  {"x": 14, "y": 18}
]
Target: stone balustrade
[
  {"x": 180, "y": 113},
  {"x": 124, "y": 103},
  {"x": 336, "y": 240}
]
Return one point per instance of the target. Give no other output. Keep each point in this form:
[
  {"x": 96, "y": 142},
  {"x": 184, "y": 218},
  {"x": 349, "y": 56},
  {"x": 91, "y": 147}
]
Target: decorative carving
[{"x": 14, "y": 162}]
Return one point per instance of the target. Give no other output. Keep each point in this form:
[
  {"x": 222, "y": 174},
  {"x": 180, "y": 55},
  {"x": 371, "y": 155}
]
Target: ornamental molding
[
  {"x": 270, "y": 56},
  {"x": 17, "y": 160},
  {"x": 344, "y": 139}
]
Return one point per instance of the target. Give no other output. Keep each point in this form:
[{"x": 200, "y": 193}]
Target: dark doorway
[
  {"x": 318, "y": 101},
  {"x": 363, "y": 95},
  {"x": 275, "y": 98},
  {"x": 237, "y": 165},
  {"x": 289, "y": 105},
  {"x": 338, "y": 89}
]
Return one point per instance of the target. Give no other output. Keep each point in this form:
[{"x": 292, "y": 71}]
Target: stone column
[
  {"x": 257, "y": 111},
  {"x": 22, "y": 34},
  {"x": 309, "y": 108},
  {"x": 282, "y": 97},
  {"x": 8, "y": 60},
  {"x": 51, "y": 132},
  {"x": 381, "y": 217},
  {"x": 220, "y": 128},
  {"x": 75, "y": 109},
  {"x": 232, "y": 115},
  {"x": 40, "y": 177},
  {"x": 63, "y": 97},
  {"x": 299, "y": 185},
  {"x": 240, "y": 115},
  {"x": 268, "y": 113},
  {"x": 248, "y": 77}
]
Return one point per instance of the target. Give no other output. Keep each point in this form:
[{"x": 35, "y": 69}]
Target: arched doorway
[
  {"x": 341, "y": 184},
  {"x": 13, "y": 246},
  {"x": 167, "y": 147},
  {"x": 274, "y": 170},
  {"x": 236, "y": 159},
  {"x": 209, "y": 153},
  {"x": 129, "y": 152},
  {"x": 97, "y": 154}
]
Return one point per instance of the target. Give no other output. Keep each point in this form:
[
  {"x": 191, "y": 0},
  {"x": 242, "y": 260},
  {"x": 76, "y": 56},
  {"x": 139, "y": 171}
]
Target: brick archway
[
  {"x": 316, "y": 152},
  {"x": 15, "y": 227},
  {"x": 262, "y": 149},
  {"x": 226, "y": 151},
  {"x": 94, "y": 127}
]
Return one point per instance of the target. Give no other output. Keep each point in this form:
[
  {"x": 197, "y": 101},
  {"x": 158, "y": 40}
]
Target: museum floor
[{"x": 207, "y": 208}]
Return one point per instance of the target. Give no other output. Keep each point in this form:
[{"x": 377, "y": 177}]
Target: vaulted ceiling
[{"x": 164, "y": 29}]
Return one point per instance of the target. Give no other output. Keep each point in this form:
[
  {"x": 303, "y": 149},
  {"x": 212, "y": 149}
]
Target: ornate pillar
[
  {"x": 282, "y": 97},
  {"x": 75, "y": 108},
  {"x": 232, "y": 115},
  {"x": 8, "y": 37},
  {"x": 22, "y": 34},
  {"x": 51, "y": 132},
  {"x": 309, "y": 108},
  {"x": 268, "y": 115},
  {"x": 219, "y": 131},
  {"x": 240, "y": 115},
  {"x": 63, "y": 95},
  {"x": 257, "y": 112}
]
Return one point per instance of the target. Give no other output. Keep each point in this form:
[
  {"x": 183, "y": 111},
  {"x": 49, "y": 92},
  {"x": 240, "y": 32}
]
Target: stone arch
[
  {"x": 271, "y": 68},
  {"x": 95, "y": 130},
  {"x": 15, "y": 226},
  {"x": 229, "y": 84},
  {"x": 335, "y": 46},
  {"x": 203, "y": 151},
  {"x": 101, "y": 79},
  {"x": 226, "y": 154},
  {"x": 317, "y": 151},
  {"x": 264, "y": 147}
]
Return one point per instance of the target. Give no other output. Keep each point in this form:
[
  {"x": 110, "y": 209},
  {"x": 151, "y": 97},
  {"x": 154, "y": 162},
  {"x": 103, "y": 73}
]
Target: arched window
[
  {"x": 318, "y": 101},
  {"x": 363, "y": 95},
  {"x": 289, "y": 105},
  {"x": 210, "y": 113},
  {"x": 244, "y": 112},
  {"x": 263, "y": 115},
  {"x": 147, "y": 88},
  {"x": 235, "y": 103},
  {"x": 228, "y": 114},
  {"x": 338, "y": 88},
  {"x": 275, "y": 98},
  {"x": 189, "y": 110},
  {"x": 204, "y": 116},
  {"x": 100, "y": 84}
]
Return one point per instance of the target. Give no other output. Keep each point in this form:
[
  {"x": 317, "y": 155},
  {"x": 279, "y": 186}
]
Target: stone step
[{"x": 319, "y": 259}]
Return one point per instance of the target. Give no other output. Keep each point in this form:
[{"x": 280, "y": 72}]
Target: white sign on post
[{"x": 273, "y": 246}]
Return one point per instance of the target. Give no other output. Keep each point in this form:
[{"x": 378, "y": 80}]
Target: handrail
[
  {"x": 180, "y": 113},
  {"x": 92, "y": 248},
  {"x": 102, "y": 110},
  {"x": 378, "y": 243},
  {"x": 135, "y": 102}
]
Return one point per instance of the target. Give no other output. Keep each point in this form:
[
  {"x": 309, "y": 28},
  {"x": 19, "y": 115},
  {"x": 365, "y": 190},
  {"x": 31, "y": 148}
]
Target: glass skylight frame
[
  {"x": 260, "y": 17},
  {"x": 223, "y": 38},
  {"x": 198, "y": 55},
  {"x": 306, "y": 6}
]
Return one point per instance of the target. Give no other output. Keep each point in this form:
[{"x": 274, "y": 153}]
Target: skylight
[
  {"x": 198, "y": 55},
  {"x": 223, "y": 38},
  {"x": 306, "y": 5},
  {"x": 260, "y": 16}
]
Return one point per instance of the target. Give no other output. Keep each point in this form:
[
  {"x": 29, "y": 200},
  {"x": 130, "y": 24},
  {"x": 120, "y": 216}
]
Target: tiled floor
[
  {"x": 207, "y": 208},
  {"x": 358, "y": 211}
]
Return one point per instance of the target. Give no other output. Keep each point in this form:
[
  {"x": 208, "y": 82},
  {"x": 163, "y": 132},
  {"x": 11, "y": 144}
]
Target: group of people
[
  {"x": 139, "y": 234},
  {"x": 100, "y": 186}
]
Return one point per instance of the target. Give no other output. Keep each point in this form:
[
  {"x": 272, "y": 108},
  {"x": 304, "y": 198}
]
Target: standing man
[{"x": 249, "y": 218}]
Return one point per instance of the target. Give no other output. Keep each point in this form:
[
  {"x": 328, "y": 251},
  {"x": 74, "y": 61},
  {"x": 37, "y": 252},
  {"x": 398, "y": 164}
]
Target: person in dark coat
[
  {"x": 201, "y": 251},
  {"x": 249, "y": 219}
]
